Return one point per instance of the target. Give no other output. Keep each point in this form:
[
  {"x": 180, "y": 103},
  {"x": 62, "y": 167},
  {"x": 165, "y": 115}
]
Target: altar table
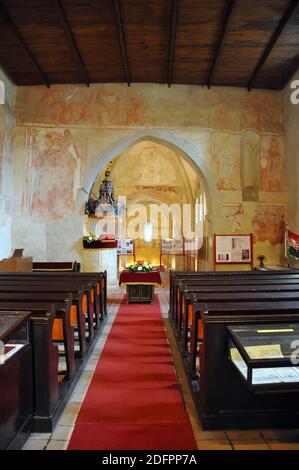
[{"x": 140, "y": 286}]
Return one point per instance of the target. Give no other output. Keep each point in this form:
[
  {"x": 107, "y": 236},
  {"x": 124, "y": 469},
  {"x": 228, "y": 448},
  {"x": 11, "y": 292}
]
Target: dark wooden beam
[
  {"x": 122, "y": 41},
  {"x": 5, "y": 14},
  {"x": 282, "y": 24},
  {"x": 228, "y": 14},
  {"x": 174, "y": 21},
  {"x": 71, "y": 40}
]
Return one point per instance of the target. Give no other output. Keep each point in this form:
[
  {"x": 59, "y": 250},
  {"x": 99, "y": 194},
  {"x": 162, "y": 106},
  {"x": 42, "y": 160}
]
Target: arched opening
[{"x": 156, "y": 174}]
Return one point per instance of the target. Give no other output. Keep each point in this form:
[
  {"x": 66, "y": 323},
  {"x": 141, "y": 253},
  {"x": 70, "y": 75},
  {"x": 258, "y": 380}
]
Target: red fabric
[
  {"x": 134, "y": 400},
  {"x": 53, "y": 265},
  {"x": 127, "y": 276},
  {"x": 100, "y": 244},
  {"x": 107, "y": 236},
  {"x": 293, "y": 236}
]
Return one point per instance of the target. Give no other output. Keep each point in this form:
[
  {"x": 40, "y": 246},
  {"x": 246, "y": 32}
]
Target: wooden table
[{"x": 140, "y": 286}]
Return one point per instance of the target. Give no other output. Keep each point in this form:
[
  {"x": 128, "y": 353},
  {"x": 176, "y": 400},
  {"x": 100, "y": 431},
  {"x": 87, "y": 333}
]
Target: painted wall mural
[
  {"x": 226, "y": 161},
  {"x": 272, "y": 165},
  {"x": 250, "y": 156},
  {"x": 55, "y": 173},
  {"x": 2, "y": 135},
  {"x": 269, "y": 222},
  {"x": 238, "y": 135}
]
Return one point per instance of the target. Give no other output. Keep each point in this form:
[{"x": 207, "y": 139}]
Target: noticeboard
[{"x": 233, "y": 249}]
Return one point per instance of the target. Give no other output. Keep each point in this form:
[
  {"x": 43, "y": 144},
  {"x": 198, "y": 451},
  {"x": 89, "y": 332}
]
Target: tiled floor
[{"x": 206, "y": 440}]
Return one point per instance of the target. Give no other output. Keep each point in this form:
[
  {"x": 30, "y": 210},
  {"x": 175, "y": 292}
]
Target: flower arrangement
[
  {"x": 90, "y": 237},
  {"x": 139, "y": 267}
]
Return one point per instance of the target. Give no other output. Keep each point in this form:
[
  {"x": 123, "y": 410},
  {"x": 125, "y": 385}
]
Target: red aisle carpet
[{"x": 134, "y": 401}]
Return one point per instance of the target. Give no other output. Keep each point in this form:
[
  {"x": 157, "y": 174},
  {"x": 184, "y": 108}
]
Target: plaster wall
[
  {"x": 65, "y": 135},
  {"x": 7, "y": 193}
]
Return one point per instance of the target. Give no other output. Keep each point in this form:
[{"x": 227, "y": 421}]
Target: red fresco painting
[
  {"x": 272, "y": 167},
  {"x": 269, "y": 224},
  {"x": 55, "y": 165}
]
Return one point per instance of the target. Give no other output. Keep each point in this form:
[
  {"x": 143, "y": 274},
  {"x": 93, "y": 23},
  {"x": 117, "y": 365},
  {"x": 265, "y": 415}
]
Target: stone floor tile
[
  {"x": 250, "y": 445},
  {"x": 213, "y": 445},
  {"x": 62, "y": 433},
  {"x": 57, "y": 445},
  {"x": 35, "y": 444},
  {"x": 247, "y": 435}
]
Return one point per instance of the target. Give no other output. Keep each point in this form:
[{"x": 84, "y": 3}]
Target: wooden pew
[
  {"x": 201, "y": 311},
  {"x": 227, "y": 280},
  {"x": 239, "y": 294},
  {"x": 57, "y": 266},
  {"x": 77, "y": 318},
  {"x": 91, "y": 304},
  {"x": 62, "y": 304},
  {"x": 60, "y": 285},
  {"x": 45, "y": 359},
  {"x": 178, "y": 275},
  {"x": 99, "y": 280},
  {"x": 199, "y": 293}
]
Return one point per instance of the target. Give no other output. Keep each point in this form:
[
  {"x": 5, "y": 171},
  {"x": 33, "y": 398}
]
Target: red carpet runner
[{"x": 134, "y": 401}]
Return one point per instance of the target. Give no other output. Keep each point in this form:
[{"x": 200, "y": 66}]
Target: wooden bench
[
  {"x": 62, "y": 304},
  {"x": 60, "y": 266},
  {"x": 201, "y": 311},
  {"x": 77, "y": 318},
  {"x": 174, "y": 275},
  {"x": 45, "y": 359},
  {"x": 225, "y": 280},
  {"x": 99, "y": 280},
  {"x": 200, "y": 293}
]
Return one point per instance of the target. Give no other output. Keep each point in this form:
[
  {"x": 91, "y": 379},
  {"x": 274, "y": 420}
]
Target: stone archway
[{"x": 180, "y": 145}]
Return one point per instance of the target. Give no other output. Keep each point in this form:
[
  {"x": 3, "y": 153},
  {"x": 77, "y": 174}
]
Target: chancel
[{"x": 149, "y": 225}]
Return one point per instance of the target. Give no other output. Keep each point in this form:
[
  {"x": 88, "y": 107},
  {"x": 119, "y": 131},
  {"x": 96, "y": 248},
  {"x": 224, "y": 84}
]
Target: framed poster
[
  {"x": 125, "y": 246},
  {"x": 233, "y": 249}
]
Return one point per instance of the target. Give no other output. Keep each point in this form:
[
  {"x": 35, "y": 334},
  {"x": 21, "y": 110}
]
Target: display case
[
  {"x": 266, "y": 355},
  {"x": 14, "y": 334},
  {"x": 16, "y": 387}
]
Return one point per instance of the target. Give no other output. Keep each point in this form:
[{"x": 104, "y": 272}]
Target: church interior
[{"x": 149, "y": 225}]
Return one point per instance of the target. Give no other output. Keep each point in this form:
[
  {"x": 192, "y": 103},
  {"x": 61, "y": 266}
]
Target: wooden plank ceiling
[{"x": 244, "y": 43}]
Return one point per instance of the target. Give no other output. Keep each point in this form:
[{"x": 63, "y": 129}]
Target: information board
[
  {"x": 172, "y": 246},
  {"x": 125, "y": 246},
  {"x": 233, "y": 249}
]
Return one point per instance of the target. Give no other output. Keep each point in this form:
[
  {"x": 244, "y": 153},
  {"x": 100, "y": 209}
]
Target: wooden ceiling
[{"x": 244, "y": 43}]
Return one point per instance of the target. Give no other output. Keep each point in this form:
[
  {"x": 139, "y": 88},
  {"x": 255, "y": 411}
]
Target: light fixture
[{"x": 105, "y": 204}]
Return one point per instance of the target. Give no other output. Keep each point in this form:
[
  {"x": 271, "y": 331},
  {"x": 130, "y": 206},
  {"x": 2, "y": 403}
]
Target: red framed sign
[{"x": 233, "y": 248}]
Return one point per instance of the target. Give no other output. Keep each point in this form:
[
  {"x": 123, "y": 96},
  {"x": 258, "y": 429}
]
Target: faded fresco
[
  {"x": 233, "y": 213},
  {"x": 150, "y": 105},
  {"x": 250, "y": 158},
  {"x": 238, "y": 135},
  {"x": 2, "y": 135},
  {"x": 269, "y": 223},
  {"x": 55, "y": 173},
  {"x": 226, "y": 161},
  {"x": 272, "y": 165}
]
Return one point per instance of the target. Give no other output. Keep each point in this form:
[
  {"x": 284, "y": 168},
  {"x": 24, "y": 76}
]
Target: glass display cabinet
[
  {"x": 14, "y": 334},
  {"x": 16, "y": 387},
  {"x": 266, "y": 355}
]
